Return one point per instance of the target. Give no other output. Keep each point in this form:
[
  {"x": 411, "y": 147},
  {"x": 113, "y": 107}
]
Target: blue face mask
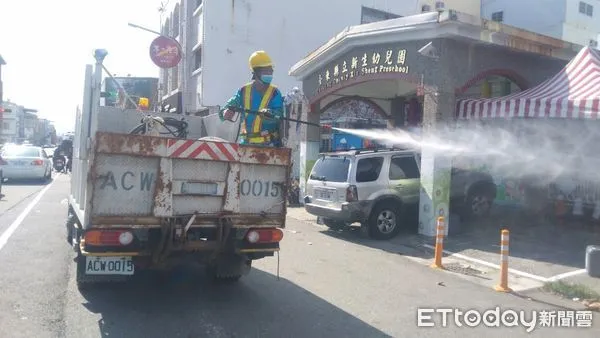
[{"x": 266, "y": 78}]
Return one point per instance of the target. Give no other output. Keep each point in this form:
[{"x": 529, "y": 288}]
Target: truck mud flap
[{"x": 229, "y": 266}]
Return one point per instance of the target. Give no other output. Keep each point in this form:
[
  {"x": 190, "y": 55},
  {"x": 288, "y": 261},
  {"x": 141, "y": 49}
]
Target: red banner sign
[{"x": 165, "y": 52}]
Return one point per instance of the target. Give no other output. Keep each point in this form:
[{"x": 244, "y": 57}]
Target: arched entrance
[
  {"x": 365, "y": 102},
  {"x": 352, "y": 112}
]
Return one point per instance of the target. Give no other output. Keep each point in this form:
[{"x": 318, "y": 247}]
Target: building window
[
  {"x": 498, "y": 16},
  {"x": 369, "y": 15},
  {"x": 425, "y": 8},
  {"x": 325, "y": 145},
  {"x": 594, "y": 43},
  {"x": 167, "y": 28},
  {"x": 585, "y": 8},
  {"x": 198, "y": 3},
  {"x": 198, "y": 58},
  {"x": 6, "y": 126},
  {"x": 176, "y": 21},
  {"x": 174, "y": 78}
]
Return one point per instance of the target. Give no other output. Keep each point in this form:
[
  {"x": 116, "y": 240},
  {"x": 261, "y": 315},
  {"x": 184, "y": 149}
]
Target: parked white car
[{"x": 25, "y": 162}]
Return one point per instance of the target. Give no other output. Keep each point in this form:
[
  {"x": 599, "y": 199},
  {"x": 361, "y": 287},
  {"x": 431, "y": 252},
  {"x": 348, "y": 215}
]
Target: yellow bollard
[
  {"x": 503, "y": 286},
  {"x": 439, "y": 244}
]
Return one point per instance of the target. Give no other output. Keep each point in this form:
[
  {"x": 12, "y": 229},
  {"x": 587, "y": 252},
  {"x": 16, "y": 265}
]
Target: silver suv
[{"x": 377, "y": 188}]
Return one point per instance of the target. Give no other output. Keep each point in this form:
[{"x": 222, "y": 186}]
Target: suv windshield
[{"x": 331, "y": 169}]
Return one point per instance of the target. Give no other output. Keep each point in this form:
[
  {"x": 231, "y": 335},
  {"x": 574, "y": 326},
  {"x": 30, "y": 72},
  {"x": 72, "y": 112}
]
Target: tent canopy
[{"x": 573, "y": 93}]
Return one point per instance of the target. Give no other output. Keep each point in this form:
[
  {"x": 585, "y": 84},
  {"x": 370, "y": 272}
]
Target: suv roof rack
[{"x": 365, "y": 150}]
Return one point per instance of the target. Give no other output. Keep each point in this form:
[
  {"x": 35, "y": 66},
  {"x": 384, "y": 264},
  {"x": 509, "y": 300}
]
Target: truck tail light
[
  {"x": 37, "y": 162},
  {"x": 351, "y": 194},
  {"x": 108, "y": 237},
  {"x": 269, "y": 235}
]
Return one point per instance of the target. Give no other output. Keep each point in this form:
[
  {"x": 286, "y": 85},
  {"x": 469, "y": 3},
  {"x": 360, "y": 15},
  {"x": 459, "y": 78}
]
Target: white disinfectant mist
[{"x": 540, "y": 149}]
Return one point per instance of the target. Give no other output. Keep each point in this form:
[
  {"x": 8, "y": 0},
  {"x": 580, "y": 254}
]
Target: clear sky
[{"x": 46, "y": 45}]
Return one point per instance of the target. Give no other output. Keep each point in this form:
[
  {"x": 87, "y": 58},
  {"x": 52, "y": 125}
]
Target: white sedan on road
[{"x": 25, "y": 162}]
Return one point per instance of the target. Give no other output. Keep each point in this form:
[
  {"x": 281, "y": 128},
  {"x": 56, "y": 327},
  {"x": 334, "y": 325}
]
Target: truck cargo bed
[{"x": 140, "y": 180}]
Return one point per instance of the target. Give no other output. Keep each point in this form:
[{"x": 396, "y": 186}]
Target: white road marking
[
  {"x": 567, "y": 275},
  {"x": 491, "y": 265},
  {"x": 13, "y": 227}
]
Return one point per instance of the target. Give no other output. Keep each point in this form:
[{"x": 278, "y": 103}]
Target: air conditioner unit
[
  {"x": 440, "y": 5},
  {"x": 425, "y": 8}
]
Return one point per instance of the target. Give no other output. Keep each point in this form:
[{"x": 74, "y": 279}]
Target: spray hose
[{"x": 267, "y": 113}]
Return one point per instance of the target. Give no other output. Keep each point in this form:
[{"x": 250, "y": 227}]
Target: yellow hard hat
[
  {"x": 143, "y": 102},
  {"x": 260, "y": 59}
]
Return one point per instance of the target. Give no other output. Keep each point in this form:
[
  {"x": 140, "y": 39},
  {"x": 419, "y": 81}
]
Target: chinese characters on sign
[
  {"x": 165, "y": 52},
  {"x": 377, "y": 62}
]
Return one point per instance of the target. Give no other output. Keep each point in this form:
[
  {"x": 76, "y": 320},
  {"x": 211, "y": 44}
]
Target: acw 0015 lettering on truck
[{"x": 150, "y": 202}]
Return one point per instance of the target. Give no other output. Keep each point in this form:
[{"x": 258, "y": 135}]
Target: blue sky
[{"x": 46, "y": 45}]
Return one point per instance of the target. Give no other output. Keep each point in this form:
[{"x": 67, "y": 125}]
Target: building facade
[
  {"x": 570, "y": 20},
  {"x": 19, "y": 124},
  {"x": 217, "y": 38},
  {"x": 435, "y": 60},
  {"x": 2, "y": 63},
  {"x": 9, "y": 131},
  {"x": 471, "y": 7}
]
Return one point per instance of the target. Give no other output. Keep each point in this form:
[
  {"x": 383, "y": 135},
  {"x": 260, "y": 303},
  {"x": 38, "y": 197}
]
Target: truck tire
[
  {"x": 83, "y": 281},
  {"x": 384, "y": 221},
  {"x": 70, "y": 226}
]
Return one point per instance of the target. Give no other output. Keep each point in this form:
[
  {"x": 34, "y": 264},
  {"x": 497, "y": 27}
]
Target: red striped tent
[{"x": 573, "y": 93}]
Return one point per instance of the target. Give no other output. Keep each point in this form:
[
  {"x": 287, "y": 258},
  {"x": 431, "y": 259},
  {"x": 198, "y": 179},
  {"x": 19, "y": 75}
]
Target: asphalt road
[{"x": 328, "y": 287}]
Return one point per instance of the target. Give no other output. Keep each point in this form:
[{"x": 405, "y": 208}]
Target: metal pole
[
  {"x": 99, "y": 55},
  {"x": 144, "y": 28}
]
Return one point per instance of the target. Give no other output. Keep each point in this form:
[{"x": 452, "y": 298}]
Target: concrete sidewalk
[{"x": 526, "y": 276}]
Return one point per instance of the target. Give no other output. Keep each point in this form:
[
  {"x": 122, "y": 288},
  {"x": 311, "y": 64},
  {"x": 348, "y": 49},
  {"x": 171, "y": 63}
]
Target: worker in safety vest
[{"x": 259, "y": 95}]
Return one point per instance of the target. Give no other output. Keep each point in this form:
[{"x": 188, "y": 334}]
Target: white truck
[{"x": 145, "y": 202}]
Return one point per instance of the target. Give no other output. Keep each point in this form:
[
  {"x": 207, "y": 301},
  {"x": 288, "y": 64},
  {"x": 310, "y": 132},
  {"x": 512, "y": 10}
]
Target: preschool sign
[{"x": 353, "y": 65}]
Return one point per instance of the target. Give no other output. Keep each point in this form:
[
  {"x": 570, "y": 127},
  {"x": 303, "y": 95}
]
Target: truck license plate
[{"x": 108, "y": 265}]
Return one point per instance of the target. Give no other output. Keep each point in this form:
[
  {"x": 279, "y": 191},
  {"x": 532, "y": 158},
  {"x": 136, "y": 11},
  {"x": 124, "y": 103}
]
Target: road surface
[{"x": 328, "y": 287}]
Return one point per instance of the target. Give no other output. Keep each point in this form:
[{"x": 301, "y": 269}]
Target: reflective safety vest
[{"x": 257, "y": 135}]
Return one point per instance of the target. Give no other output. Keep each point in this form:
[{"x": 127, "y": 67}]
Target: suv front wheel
[{"x": 384, "y": 221}]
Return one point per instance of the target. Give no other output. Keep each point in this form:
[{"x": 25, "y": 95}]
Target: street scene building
[
  {"x": 573, "y": 21},
  {"x": 215, "y": 33},
  {"x": 414, "y": 79},
  {"x": 21, "y": 124}
]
